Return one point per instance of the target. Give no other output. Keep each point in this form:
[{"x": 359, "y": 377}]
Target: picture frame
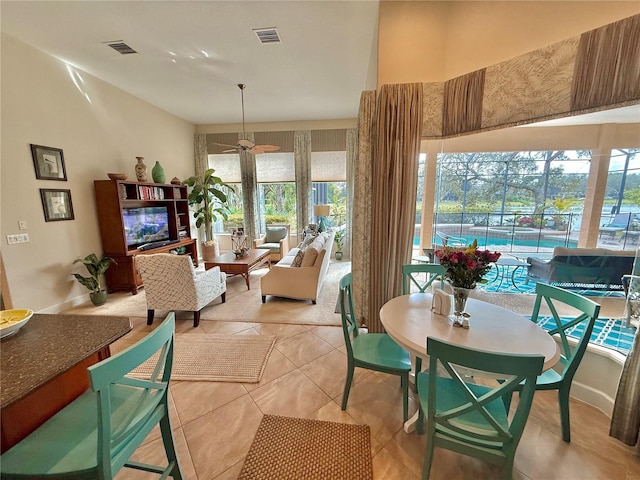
[
  {"x": 56, "y": 204},
  {"x": 48, "y": 163}
]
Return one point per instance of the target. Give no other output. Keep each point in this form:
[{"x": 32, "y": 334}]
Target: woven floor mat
[
  {"x": 215, "y": 358},
  {"x": 287, "y": 448}
]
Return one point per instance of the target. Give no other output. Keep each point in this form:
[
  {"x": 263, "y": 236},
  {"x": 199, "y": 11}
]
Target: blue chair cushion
[{"x": 275, "y": 234}]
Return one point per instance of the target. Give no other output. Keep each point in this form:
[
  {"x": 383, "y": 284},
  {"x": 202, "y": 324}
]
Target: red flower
[{"x": 466, "y": 267}]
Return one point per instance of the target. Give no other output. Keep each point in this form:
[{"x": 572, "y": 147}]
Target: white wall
[{"x": 100, "y": 129}]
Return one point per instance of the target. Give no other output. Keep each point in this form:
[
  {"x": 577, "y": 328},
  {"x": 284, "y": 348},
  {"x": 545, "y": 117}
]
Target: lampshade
[{"x": 321, "y": 210}]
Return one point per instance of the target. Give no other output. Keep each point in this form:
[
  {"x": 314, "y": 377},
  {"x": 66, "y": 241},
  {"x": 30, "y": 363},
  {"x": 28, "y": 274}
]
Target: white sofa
[{"x": 304, "y": 282}]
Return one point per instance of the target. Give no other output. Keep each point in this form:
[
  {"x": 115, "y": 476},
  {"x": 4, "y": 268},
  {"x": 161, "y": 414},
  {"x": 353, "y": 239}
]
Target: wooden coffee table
[{"x": 232, "y": 265}]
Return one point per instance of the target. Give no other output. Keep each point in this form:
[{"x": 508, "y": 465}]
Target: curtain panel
[
  {"x": 249, "y": 190},
  {"x": 302, "y": 156},
  {"x": 352, "y": 157},
  {"x": 394, "y": 187},
  {"x": 200, "y": 153},
  {"x": 361, "y": 211}
]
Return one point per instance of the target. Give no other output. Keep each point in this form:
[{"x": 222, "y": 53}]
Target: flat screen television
[{"x": 145, "y": 224}]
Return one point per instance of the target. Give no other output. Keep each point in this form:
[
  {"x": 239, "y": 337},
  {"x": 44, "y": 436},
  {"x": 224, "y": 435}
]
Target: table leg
[{"x": 246, "y": 280}]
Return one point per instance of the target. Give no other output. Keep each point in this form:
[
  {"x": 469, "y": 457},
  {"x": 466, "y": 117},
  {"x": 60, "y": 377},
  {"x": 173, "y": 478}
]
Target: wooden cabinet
[{"x": 116, "y": 200}]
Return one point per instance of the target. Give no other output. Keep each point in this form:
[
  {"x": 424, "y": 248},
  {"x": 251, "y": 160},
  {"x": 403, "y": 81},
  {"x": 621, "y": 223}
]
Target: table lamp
[{"x": 321, "y": 211}]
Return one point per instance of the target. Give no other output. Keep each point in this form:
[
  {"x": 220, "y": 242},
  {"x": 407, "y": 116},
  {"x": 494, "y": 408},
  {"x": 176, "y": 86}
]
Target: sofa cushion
[
  {"x": 272, "y": 247},
  {"x": 308, "y": 240},
  {"x": 275, "y": 234},
  {"x": 310, "y": 255},
  {"x": 319, "y": 242},
  {"x": 297, "y": 260}
]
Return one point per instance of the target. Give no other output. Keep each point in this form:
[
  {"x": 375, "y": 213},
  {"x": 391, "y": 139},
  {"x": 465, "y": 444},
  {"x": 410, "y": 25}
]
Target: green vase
[{"x": 157, "y": 173}]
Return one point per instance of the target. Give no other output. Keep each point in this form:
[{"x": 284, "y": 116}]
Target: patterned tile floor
[{"x": 607, "y": 332}]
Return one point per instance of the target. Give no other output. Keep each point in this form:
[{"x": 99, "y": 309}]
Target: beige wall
[
  {"x": 100, "y": 129},
  {"x": 437, "y": 41}
]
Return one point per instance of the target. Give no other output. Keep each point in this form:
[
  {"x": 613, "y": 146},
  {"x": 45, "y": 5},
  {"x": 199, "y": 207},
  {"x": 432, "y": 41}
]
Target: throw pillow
[
  {"x": 308, "y": 239},
  {"x": 275, "y": 234},
  {"x": 310, "y": 255},
  {"x": 318, "y": 243},
  {"x": 297, "y": 261}
]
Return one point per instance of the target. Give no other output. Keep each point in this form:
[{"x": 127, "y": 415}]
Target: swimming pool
[{"x": 485, "y": 240}]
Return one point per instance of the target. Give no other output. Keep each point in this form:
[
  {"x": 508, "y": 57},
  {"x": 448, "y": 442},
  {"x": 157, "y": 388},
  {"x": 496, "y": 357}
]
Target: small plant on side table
[
  {"x": 96, "y": 268},
  {"x": 338, "y": 238}
]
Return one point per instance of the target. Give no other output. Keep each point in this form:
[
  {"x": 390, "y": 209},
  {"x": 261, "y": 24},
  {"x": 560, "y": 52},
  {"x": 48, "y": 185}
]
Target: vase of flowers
[{"x": 464, "y": 269}]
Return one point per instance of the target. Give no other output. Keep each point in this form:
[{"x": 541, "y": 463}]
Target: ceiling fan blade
[
  {"x": 246, "y": 143},
  {"x": 264, "y": 148},
  {"x": 224, "y": 145},
  {"x": 236, "y": 149}
]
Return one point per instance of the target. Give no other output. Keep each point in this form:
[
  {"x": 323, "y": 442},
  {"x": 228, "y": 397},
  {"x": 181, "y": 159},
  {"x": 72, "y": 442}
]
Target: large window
[
  {"x": 622, "y": 197},
  {"x": 227, "y": 167},
  {"x": 275, "y": 174},
  {"x": 329, "y": 174}
]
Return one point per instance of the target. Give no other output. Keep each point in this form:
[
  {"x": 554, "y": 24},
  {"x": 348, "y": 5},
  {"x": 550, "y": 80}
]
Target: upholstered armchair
[
  {"x": 171, "y": 282},
  {"x": 276, "y": 240}
]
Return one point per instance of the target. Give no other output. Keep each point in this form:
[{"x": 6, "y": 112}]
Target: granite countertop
[{"x": 49, "y": 345}]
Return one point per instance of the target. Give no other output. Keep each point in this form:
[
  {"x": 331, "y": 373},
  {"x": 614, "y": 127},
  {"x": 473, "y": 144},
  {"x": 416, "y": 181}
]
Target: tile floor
[{"x": 214, "y": 423}]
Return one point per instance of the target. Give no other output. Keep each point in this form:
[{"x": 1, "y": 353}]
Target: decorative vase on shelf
[
  {"x": 141, "y": 170},
  {"x": 157, "y": 173}
]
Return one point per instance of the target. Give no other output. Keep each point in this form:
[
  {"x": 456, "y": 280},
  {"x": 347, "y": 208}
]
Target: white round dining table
[{"x": 409, "y": 321}]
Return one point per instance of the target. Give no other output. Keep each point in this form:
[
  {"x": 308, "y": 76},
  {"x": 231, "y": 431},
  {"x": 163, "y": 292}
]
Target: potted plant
[
  {"x": 339, "y": 239},
  {"x": 96, "y": 268},
  {"x": 208, "y": 195}
]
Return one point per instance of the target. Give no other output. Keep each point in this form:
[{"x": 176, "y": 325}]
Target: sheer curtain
[
  {"x": 394, "y": 185},
  {"x": 352, "y": 158},
  {"x": 625, "y": 421},
  {"x": 302, "y": 154}
]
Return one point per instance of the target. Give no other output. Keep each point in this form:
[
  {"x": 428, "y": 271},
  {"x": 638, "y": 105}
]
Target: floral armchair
[{"x": 171, "y": 282}]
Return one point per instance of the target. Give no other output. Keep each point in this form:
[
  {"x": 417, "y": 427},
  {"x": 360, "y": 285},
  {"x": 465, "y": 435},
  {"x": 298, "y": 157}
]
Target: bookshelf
[{"x": 113, "y": 197}]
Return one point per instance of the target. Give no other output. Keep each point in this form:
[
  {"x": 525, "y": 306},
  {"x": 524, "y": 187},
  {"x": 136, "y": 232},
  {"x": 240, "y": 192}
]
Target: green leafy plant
[
  {"x": 96, "y": 268},
  {"x": 209, "y": 195},
  {"x": 338, "y": 238}
]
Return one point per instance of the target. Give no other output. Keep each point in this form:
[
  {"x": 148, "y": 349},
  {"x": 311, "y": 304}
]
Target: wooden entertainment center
[{"x": 114, "y": 198}]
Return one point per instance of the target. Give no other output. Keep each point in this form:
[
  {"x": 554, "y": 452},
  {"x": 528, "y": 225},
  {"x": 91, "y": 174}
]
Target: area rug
[
  {"x": 213, "y": 358},
  {"x": 242, "y": 305},
  {"x": 287, "y": 448}
]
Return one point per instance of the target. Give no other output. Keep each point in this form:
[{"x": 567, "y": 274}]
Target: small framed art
[
  {"x": 56, "y": 204},
  {"x": 49, "y": 163}
]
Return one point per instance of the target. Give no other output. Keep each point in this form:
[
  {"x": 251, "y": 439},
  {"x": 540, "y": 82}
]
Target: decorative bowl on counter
[
  {"x": 13, "y": 320},
  {"x": 117, "y": 176}
]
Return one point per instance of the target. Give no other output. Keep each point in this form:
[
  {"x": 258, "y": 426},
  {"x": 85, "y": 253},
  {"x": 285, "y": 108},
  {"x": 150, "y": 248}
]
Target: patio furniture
[
  {"x": 571, "y": 355},
  {"x": 172, "y": 283},
  {"x": 95, "y": 436},
  {"x": 451, "y": 241},
  {"x": 619, "y": 223},
  {"x": 593, "y": 268},
  {"x": 373, "y": 351},
  {"x": 632, "y": 293},
  {"x": 471, "y": 418}
]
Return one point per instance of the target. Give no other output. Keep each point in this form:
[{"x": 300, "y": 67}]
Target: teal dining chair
[
  {"x": 411, "y": 275},
  {"x": 581, "y": 327},
  {"x": 95, "y": 435},
  {"x": 472, "y": 418},
  {"x": 373, "y": 351}
]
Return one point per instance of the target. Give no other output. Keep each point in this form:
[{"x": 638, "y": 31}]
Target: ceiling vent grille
[
  {"x": 121, "y": 47},
  {"x": 268, "y": 35}
]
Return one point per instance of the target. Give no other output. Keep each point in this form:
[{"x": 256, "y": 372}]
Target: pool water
[{"x": 497, "y": 241}]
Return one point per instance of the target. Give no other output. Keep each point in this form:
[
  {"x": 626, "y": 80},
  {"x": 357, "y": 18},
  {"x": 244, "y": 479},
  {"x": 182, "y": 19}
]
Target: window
[
  {"x": 227, "y": 167},
  {"x": 623, "y": 195},
  {"x": 328, "y": 176},
  {"x": 275, "y": 174}
]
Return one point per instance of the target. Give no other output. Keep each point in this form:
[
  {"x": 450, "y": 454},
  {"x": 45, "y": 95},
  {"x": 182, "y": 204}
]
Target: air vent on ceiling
[
  {"x": 121, "y": 47},
  {"x": 268, "y": 35}
]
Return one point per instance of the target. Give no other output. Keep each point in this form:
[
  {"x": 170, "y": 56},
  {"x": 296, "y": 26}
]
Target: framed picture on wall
[
  {"x": 49, "y": 163},
  {"x": 56, "y": 204}
]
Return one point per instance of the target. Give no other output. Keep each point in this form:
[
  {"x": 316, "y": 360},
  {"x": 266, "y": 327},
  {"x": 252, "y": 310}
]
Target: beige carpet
[
  {"x": 213, "y": 358},
  {"x": 286, "y": 448},
  {"x": 242, "y": 305}
]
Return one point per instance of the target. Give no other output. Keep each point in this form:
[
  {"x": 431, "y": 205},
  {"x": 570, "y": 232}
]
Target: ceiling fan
[{"x": 244, "y": 144}]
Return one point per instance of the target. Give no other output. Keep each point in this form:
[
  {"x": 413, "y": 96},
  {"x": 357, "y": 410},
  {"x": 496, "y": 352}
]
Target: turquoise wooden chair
[
  {"x": 470, "y": 418},
  {"x": 95, "y": 435},
  {"x": 410, "y": 276},
  {"x": 373, "y": 351},
  {"x": 581, "y": 325}
]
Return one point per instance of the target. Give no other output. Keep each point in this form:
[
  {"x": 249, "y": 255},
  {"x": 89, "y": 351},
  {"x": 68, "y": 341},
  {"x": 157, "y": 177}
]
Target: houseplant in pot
[
  {"x": 338, "y": 238},
  {"x": 208, "y": 196},
  {"x": 96, "y": 268}
]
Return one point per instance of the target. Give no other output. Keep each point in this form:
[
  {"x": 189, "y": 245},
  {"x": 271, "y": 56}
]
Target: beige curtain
[
  {"x": 302, "y": 154},
  {"x": 200, "y": 154},
  {"x": 361, "y": 211},
  {"x": 352, "y": 157},
  {"x": 395, "y": 167},
  {"x": 249, "y": 190}
]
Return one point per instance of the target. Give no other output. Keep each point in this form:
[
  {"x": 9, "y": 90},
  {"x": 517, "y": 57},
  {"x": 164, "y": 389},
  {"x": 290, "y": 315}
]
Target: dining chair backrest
[
  {"x": 347, "y": 312},
  {"x": 97, "y": 434},
  {"x": 581, "y": 325},
  {"x": 472, "y": 417},
  {"x": 410, "y": 276}
]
